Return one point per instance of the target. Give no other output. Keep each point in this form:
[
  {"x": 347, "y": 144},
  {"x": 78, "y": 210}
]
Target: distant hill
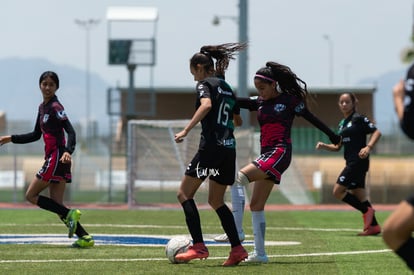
[{"x": 21, "y": 95}]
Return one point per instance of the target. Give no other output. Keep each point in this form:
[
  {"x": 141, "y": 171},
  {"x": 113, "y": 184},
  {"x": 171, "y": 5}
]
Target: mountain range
[{"x": 21, "y": 95}]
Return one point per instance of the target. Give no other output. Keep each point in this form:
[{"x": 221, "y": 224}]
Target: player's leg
[
  {"x": 260, "y": 194},
  {"x": 397, "y": 232},
  {"x": 216, "y": 201},
  {"x": 185, "y": 195},
  {"x": 374, "y": 228},
  {"x": 238, "y": 200}
]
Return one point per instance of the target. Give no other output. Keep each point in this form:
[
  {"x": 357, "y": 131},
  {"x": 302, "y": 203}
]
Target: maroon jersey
[
  {"x": 275, "y": 117},
  {"x": 52, "y": 123}
]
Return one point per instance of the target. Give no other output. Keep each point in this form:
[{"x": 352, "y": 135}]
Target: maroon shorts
[
  {"x": 274, "y": 162},
  {"x": 53, "y": 170}
]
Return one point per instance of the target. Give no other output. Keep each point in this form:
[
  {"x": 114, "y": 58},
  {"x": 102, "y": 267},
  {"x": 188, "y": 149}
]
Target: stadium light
[{"x": 87, "y": 25}]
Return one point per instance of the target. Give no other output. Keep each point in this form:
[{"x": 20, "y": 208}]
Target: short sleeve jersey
[
  {"x": 217, "y": 125},
  {"x": 275, "y": 117},
  {"x": 354, "y": 130}
]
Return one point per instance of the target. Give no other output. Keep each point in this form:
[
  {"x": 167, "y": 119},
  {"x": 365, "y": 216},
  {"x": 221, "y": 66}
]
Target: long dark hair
[
  {"x": 221, "y": 53},
  {"x": 287, "y": 80},
  {"x": 52, "y": 75}
]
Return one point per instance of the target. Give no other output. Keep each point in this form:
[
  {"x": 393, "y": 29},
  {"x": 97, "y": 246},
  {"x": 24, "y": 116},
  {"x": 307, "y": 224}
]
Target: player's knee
[{"x": 242, "y": 179}]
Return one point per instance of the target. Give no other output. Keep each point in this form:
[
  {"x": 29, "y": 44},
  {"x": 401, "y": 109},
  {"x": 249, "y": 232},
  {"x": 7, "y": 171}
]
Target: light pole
[
  {"x": 87, "y": 25},
  {"x": 243, "y": 64},
  {"x": 331, "y": 61}
]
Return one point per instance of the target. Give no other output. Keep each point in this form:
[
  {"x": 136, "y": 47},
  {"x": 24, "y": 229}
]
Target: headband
[{"x": 264, "y": 77}]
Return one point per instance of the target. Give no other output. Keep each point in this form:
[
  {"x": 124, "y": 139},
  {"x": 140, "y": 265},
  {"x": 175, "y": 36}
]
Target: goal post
[{"x": 156, "y": 163}]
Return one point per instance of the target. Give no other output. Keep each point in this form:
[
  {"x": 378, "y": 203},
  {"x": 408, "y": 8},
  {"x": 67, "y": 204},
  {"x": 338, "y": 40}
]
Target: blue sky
[{"x": 367, "y": 36}]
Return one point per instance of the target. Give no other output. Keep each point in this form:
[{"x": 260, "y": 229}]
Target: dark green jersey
[{"x": 217, "y": 125}]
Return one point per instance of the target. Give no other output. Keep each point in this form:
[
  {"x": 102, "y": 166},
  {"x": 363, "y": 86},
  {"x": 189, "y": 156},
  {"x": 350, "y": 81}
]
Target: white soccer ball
[{"x": 177, "y": 245}]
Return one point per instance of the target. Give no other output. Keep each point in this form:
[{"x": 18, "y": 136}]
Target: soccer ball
[{"x": 177, "y": 245}]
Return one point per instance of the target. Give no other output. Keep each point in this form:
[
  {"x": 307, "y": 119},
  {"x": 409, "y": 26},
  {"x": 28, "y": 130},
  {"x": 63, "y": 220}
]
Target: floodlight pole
[
  {"x": 87, "y": 26},
  {"x": 241, "y": 20},
  {"x": 242, "y": 77}
]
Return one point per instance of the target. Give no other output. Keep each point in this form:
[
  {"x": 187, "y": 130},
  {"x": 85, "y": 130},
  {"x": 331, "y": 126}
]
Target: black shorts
[
  {"x": 352, "y": 177},
  {"x": 217, "y": 164}
]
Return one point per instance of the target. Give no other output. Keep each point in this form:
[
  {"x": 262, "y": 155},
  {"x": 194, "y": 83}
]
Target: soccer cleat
[
  {"x": 371, "y": 231},
  {"x": 368, "y": 216},
  {"x": 196, "y": 251},
  {"x": 237, "y": 254},
  {"x": 72, "y": 221},
  {"x": 254, "y": 258},
  {"x": 224, "y": 239},
  {"x": 84, "y": 241}
]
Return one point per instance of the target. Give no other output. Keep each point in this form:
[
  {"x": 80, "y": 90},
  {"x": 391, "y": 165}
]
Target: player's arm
[
  {"x": 249, "y": 103},
  {"x": 398, "y": 96},
  {"x": 202, "y": 111},
  {"x": 237, "y": 119},
  {"x": 29, "y": 137},
  {"x": 71, "y": 142},
  {"x": 306, "y": 114},
  {"x": 328, "y": 147}
]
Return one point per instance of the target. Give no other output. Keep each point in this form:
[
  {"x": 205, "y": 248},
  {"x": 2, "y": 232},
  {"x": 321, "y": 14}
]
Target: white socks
[
  {"x": 259, "y": 228},
  {"x": 238, "y": 203}
]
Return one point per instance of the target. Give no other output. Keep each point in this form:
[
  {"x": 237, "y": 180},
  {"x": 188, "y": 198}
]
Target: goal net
[{"x": 156, "y": 163}]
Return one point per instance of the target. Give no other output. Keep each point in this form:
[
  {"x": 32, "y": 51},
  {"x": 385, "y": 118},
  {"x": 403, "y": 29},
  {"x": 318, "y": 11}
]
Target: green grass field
[{"x": 327, "y": 244}]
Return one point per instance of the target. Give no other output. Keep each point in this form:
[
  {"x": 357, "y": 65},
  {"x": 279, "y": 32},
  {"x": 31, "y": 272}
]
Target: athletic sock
[
  {"x": 52, "y": 206},
  {"x": 406, "y": 253},
  {"x": 355, "y": 203},
  {"x": 80, "y": 231},
  {"x": 374, "y": 220},
  {"x": 227, "y": 222},
  {"x": 238, "y": 203},
  {"x": 259, "y": 229},
  {"x": 192, "y": 218}
]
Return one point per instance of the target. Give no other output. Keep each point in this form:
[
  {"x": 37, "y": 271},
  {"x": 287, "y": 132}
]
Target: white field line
[
  {"x": 181, "y": 226},
  {"x": 212, "y": 258}
]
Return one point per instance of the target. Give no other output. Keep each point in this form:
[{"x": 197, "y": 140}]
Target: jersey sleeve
[
  {"x": 366, "y": 125},
  {"x": 29, "y": 137},
  {"x": 250, "y": 103}
]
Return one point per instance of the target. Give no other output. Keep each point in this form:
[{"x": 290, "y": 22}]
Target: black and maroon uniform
[
  {"x": 52, "y": 123},
  {"x": 275, "y": 117}
]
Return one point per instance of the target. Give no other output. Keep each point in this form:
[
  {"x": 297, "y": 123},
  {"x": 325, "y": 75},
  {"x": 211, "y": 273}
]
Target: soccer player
[
  {"x": 282, "y": 96},
  {"x": 398, "y": 227},
  {"x": 52, "y": 123},
  {"x": 216, "y": 156},
  {"x": 350, "y": 185}
]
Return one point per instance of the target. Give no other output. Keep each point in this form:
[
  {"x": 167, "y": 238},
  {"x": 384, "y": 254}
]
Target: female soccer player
[
  {"x": 216, "y": 155},
  {"x": 350, "y": 185},
  {"x": 398, "y": 227},
  {"x": 52, "y": 123},
  {"x": 282, "y": 96}
]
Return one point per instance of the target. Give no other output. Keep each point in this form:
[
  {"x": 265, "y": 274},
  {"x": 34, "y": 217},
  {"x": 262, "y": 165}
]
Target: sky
[{"x": 366, "y": 37}]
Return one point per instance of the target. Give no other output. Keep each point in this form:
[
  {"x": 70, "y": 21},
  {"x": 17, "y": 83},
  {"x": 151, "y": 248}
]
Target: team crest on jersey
[
  {"x": 201, "y": 89},
  {"x": 300, "y": 107},
  {"x": 61, "y": 114},
  {"x": 280, "y": 108},
  {"x": 45, "y": 118}
]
